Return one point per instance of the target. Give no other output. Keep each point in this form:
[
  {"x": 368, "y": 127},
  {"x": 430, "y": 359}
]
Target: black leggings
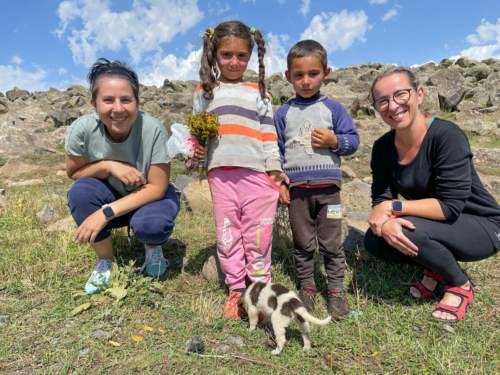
[{"x": 441, "y": 244}]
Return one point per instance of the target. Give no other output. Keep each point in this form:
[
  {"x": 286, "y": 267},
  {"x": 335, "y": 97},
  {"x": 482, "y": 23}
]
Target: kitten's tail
[{"x": 304, "y": 314}]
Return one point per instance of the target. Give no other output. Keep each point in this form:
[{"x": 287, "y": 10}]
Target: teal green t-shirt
[{"x": 146, "y": 145}]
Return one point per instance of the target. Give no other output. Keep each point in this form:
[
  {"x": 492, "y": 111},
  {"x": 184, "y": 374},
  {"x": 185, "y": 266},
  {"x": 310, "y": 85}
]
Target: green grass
[{"x": 42, "y": 275}]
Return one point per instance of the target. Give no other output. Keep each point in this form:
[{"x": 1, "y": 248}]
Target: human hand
[
  {"x": 379, "y": 215},
  {"x": 90, "y": 228},
  {"x": 323, "y": 137},
  {"x": 279, "y": 177},
  {"x": 392, "y": 232},
  {"x": 126, "y": 173},
  {"x": 199, "y": 152},
  {"x": 284, "y": 194}
]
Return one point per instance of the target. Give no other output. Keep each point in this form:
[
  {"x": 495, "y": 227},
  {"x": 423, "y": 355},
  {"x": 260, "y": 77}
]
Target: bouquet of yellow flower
[{"x": 203, "y": 126}]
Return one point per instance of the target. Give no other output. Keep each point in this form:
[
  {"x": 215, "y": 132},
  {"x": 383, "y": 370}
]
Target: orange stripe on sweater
[{"x": 235, "y": 129}]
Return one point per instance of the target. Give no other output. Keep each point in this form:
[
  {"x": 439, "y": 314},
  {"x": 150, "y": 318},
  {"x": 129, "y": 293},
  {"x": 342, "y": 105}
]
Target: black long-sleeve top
[{"x": 442, "y": 169}]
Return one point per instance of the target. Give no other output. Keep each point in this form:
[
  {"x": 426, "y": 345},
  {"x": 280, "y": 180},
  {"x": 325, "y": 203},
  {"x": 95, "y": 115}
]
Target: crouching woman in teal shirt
[{"x": 118, "y": 159}]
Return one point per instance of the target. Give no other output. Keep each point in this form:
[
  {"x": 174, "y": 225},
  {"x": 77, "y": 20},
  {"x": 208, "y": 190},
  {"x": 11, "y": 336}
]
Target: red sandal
[
  {"x": 426, "y": 293},
  {"x": 466, "y": 296}
]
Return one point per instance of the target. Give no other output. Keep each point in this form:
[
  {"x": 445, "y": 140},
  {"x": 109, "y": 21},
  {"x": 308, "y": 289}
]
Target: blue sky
[{"x": 51, "y": 43}]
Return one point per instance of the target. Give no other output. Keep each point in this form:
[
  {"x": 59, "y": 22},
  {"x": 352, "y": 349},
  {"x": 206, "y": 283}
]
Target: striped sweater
[{"x": 247, "y": 135}]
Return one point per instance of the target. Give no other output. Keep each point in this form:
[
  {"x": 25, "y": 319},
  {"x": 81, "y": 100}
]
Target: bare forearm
[
  {"x": 428, "y": 208},
  {"x": 145, "y": 194},
  {"x": 99, "y": 169}
]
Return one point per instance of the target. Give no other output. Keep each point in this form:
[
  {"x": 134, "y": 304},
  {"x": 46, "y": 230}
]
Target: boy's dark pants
[{"x": 314, "y": 224}]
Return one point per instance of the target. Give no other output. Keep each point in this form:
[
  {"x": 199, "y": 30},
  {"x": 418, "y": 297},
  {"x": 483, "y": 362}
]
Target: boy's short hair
[{"x": 305, "y": 48}]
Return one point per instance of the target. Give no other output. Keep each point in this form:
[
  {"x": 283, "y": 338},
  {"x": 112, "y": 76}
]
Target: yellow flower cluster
[{"x": 203, "y": 126}]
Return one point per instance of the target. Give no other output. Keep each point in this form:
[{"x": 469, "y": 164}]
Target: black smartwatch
[
  {"x": 108, "y": 211},
  {"x": 397, "y": 208}
]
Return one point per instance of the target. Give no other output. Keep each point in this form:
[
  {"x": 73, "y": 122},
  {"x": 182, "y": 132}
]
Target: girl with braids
[
  {"x": 244, "y": 171},
  {"x": 120, "y": 165}
]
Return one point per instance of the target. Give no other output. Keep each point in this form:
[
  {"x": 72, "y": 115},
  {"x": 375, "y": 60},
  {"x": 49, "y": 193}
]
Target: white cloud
[
  {"x": 275, "y": 57},
  {"x": 391, "y": 13},
  {"x": 171, "y": 67},
  {"x": 337, "y": 30},
  {"x": 305, "y": 6},
  {"x": 91, "y": 27},
  {"x": 16, "y": 60},
  {"x": 485, "y": 41},
  {"x": 377, "y": 2},
  {"x": 14, "y": 75}
]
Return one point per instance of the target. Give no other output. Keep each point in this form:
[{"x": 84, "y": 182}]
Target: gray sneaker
[{"x": 155, "y": 264}]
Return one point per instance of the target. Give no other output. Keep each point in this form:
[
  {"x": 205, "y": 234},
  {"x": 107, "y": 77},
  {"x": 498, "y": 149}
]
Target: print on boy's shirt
[{"x": 303, "y": 139}]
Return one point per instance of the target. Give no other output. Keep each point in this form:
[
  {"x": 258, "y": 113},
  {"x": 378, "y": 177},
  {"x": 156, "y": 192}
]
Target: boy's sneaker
[
  {"x": 155, "y": 264},
  {"x": 338, "y": 307},
  {"x": 99, "y": 278},
  {"x": 307, "y": 295},
  {"x": 232, "y": 308}
]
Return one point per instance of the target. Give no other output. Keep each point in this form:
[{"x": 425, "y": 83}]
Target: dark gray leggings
[{"x": 441, "y": 244}]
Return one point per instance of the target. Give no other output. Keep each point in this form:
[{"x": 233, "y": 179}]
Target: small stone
[
  {"x": 448, "y": 328},
  {"x": 46, "y": 214},
  {"x": 34, "y": 181},
  {"x": 348, "y": 172},
  {"x": 236, "y": 341},
  {"x": 223, "y": 348},
  {"x": 63, "y": 225},
  {"x": 61, "y": 173},
  {"x": 100, "y": 334},
  {"x": 195, "y": 345},
  {"x": 355, "y": 314},
  {"x": 83, "y": 352},
  {"x": 2, "y": 191},
  {"x": 4, "y": 319}
]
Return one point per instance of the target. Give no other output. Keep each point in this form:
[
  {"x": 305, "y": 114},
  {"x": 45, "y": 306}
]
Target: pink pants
[{"x": 245, "y": 204}]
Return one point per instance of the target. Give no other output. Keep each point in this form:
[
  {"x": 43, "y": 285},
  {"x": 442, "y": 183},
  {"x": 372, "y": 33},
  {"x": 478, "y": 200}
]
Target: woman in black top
[{"x": 446, "y": 215}]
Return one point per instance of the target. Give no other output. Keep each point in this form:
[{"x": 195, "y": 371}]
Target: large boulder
[
  {"x": 17, "y": 93},
  {"x": 4, "y": 107},
  {"x": 450, "y": 85}
]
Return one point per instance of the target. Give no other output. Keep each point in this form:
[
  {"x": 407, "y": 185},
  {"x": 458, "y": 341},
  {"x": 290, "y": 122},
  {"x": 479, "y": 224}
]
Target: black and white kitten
[{"x": 280, "y": 306}]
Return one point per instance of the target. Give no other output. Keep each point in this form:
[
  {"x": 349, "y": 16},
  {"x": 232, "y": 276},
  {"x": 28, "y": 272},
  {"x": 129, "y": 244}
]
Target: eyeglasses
[{"x": 399, "y": 97}]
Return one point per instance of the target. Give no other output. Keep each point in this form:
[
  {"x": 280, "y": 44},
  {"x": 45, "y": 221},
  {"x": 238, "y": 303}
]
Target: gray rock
[
  {"x": 183, "y": 180},
  {"x": 235, "y": 341},
  {"x": 211, "y": 270},
  {"x": 83, "y": 352},
  {"x": 4, "y": 107},
  {"x": 465, "y": 62},
  {"x": 17, "y": 93},
  {"x": 355, "y": 196},
  {"x": 479, "y": 71},
  {"x": 197, "y": 196},
  {"x": 46, "y": 214},
  {"x": 195, "y": 344},
  {"x": 4, "y": 319},
  {"x": 62, "y": 225},
  {"x": 102, "y": 335}
]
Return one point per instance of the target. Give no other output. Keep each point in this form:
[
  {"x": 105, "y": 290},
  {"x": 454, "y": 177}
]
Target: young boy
[{"x": 313, "y": 132}]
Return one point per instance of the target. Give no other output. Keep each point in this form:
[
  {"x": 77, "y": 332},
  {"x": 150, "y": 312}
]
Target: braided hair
[{"x": 211, "y": 41}]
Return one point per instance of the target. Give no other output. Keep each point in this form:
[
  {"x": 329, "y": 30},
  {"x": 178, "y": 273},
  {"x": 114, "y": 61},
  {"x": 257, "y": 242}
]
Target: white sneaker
[
  {"x": 99, "y": 278},
  {"x": 155, "y": 264}
]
